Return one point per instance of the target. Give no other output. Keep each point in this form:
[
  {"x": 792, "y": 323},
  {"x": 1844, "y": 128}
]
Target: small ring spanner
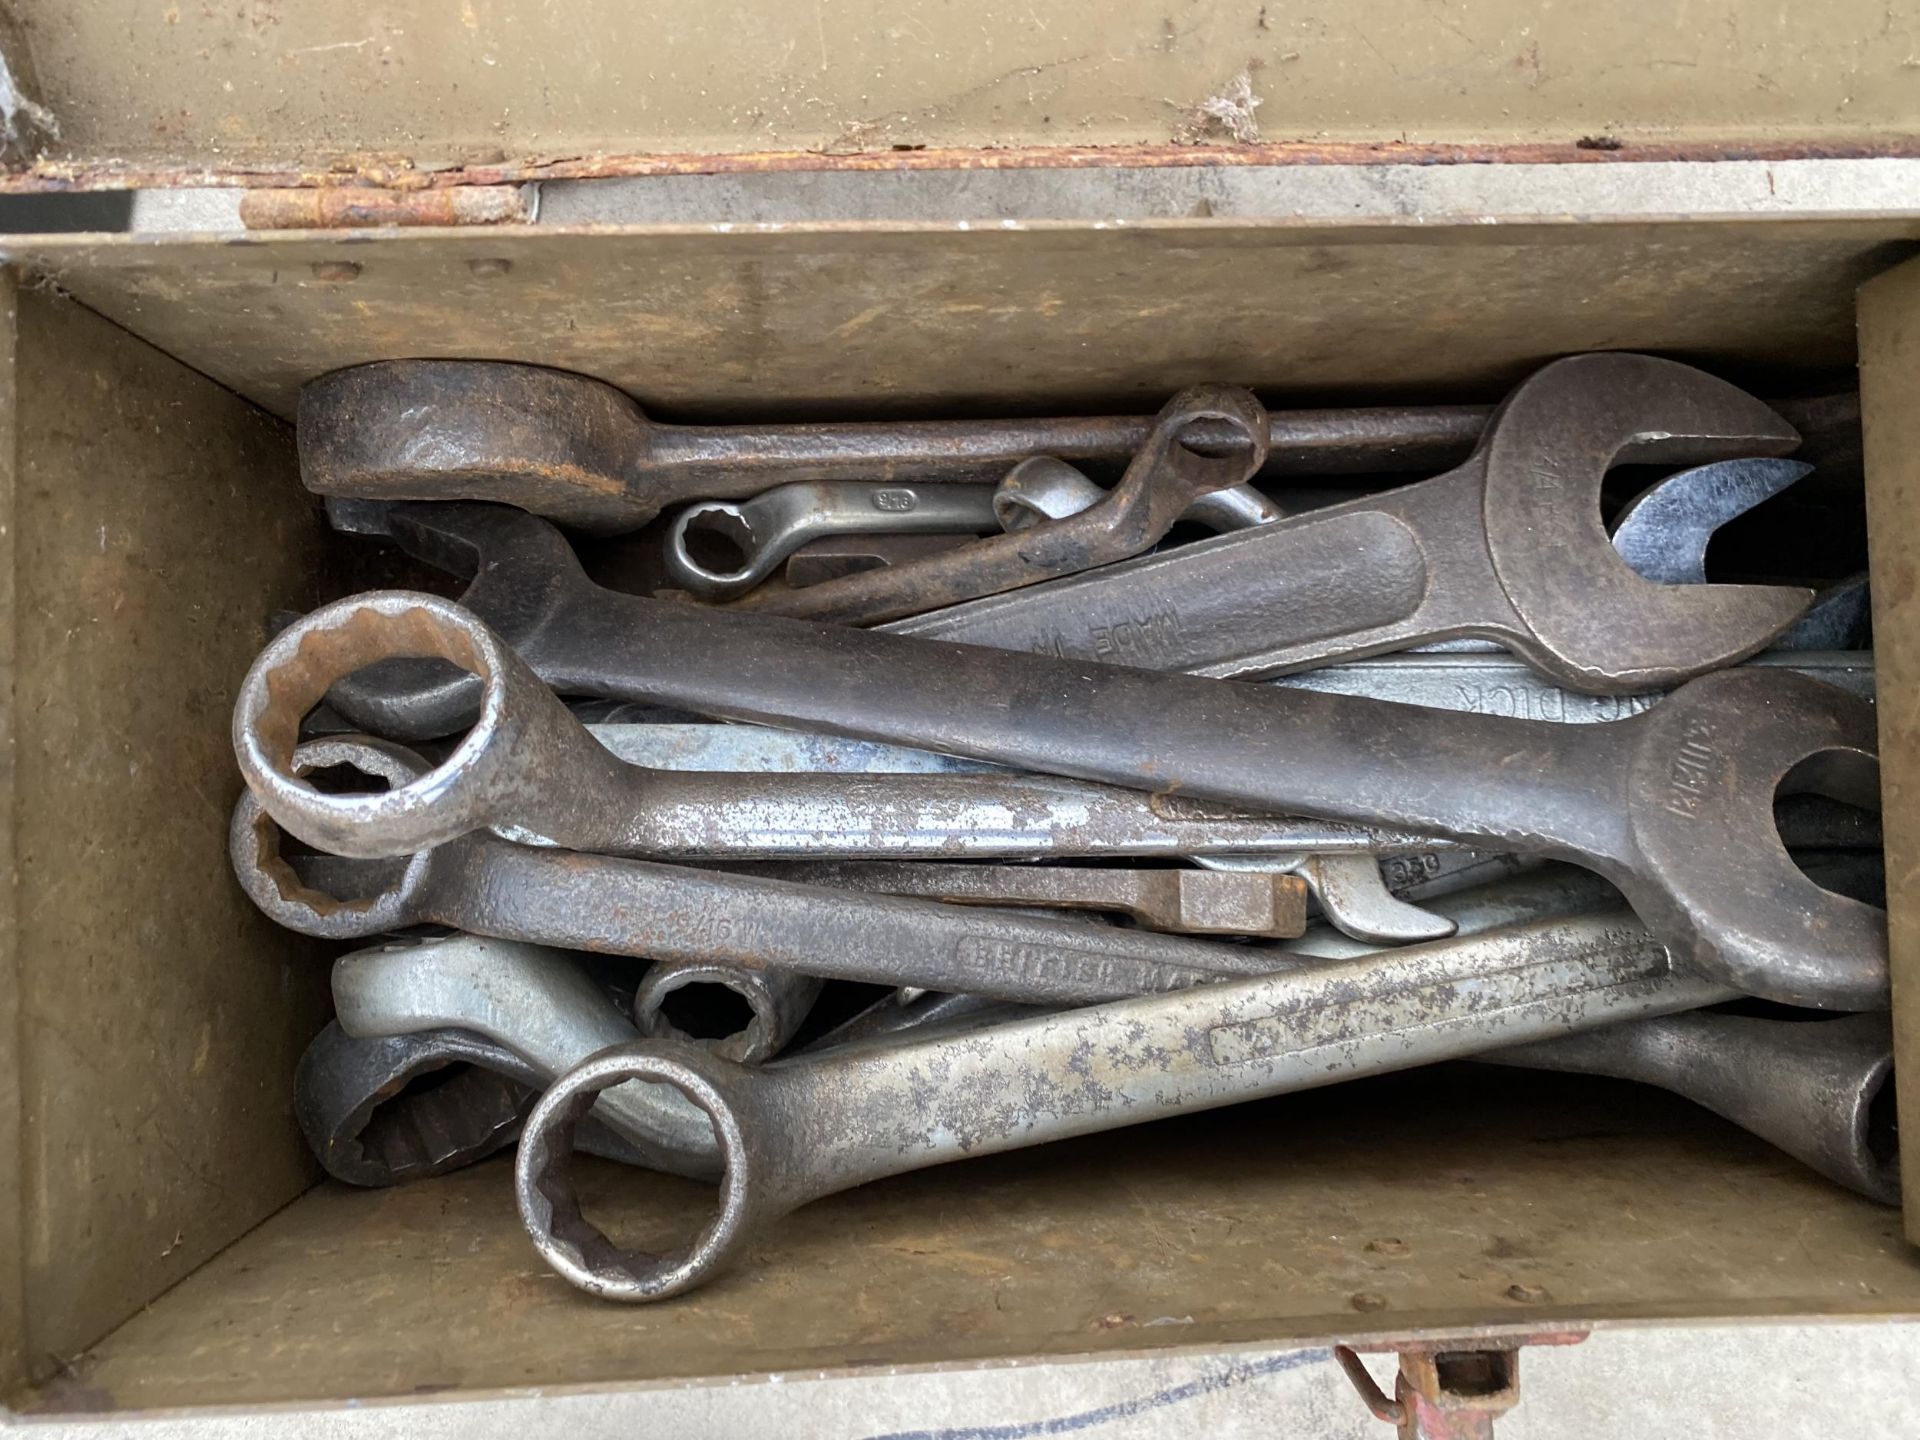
[
  {"x": 1159, "y": 485},
  {"x": 777, "y": 522},
  {"x": 482, "y": 884},
  {"x": 799, "y": 1129},
  {"x": 1673, "y": 805}
]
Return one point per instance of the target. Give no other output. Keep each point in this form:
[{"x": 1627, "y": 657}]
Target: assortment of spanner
[{"x": 1133, "y": 766}]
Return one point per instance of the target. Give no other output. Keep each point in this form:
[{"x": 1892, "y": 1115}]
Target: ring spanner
[{"x": 796, "y": 1130}]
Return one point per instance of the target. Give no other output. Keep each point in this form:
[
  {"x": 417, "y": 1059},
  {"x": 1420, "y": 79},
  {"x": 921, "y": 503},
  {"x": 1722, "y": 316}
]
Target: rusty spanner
[
  {"x": 1508, "y": 547},
  {"x": 482, "y": 884},
  {"x": 1674, "y": 805},
  {"x": 1163, "y": 479},
  {"x": 583, "y": 453}
]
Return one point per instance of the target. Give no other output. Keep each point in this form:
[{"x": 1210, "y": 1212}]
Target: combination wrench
[
  {"x": 477, "y": 882},
  {"x": 1161, "y": 482},
  {"x": 1674, "y": 805},
  {"x": 764, "y": 531},
  {"x": 582, "y": 452},
  {"x": 796, "y": 1130},
  {"x": 1508, "y": 547}
]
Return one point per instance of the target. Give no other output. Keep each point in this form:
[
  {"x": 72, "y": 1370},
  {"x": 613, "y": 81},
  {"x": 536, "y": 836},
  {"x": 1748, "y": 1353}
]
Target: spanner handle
[{"x": 1344, "y": 582}]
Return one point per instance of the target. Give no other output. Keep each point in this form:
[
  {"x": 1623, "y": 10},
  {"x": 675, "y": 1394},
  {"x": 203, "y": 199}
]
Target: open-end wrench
[
  {"x": 527, "y": 584},
  {"x": 369, "y": 1124},
  {"x": 764, "y": 531},
  {"x": 1181, "y": 902},
  {"x": 1163, "y": 479},
  {"x": 1821, "y": 1090},
  {"x": 1675, "y": 805},
  {"x": 1508, "y": 547},
  {"x": 582, "y": 452},
  {"x": 776, "y": 1003},
  {"x": 1045, "y": 488},
  {"x": 1663, "y": 531},
  {"x": 484, "y": 885},
  {"x": 799, "y": 1129}
]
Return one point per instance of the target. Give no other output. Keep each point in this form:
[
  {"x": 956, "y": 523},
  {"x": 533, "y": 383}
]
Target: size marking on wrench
[
  {"x": 765, "y": 530},
  {"x": 1160, "y": 483},
  {"x": 1508, "y": 547},
  {"x": 796, "y": 1130}
]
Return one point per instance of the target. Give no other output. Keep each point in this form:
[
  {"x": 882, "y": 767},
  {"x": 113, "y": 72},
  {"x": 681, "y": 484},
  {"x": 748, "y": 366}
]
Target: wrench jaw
[
  {"x": 1706, "y": 766},
  {"x": 520, "y": 434},
  {"x": 276, "y": 886},
  {"x": 550, "y": 1203},
  {"x": 424, "y": 699},
  {"x": 485, "y": 779},
  {"x": 1590, "y": 621}
]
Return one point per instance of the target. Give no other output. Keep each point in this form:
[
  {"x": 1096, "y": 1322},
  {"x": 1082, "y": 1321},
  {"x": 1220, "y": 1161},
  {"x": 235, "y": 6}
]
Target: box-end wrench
[
  {"x": 484, "y": 885},
  {"x": 583, "y": 453},
  {"x": 1161, "y": 481},
  {"x": 1508, "y": 547},
  {"x": 537, "y": 1003},
  {"x": 1675, "y": 805},
  {"x": 776, "y": 1004},
  {"x": 764, "y": 531},
  {"x": 1821, "y": 1090},
  {"x": 799, "y": 1129},
  {"x": 368, "y": 1123}
]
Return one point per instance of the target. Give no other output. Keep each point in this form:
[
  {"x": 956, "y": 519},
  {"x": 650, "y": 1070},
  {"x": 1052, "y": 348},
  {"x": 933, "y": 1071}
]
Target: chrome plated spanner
[
  {"x": 1045, "y": 488},
  {"x": 1675, "y": 805},
  {"x": 1163, "y": 479},
  {"x": 1508, "y": 547},
  {"x": 754, "y": 537},
  {"x": 369, "y": 1123},
  {"x": 481, "y": 884},
  {"x": 541, "y": 1006},
  {"x": 799, "y": 1129}
]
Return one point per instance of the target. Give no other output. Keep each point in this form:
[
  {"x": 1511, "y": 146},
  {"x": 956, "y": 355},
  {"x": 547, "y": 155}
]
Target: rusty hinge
[
  {"x": 1449, "y": 1390},
  {"x": 336, "y": 207}
]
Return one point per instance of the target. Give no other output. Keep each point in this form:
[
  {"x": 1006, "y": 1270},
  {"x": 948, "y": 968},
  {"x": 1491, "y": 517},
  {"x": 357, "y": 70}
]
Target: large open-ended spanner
[
  {"x": 796, "y": 1130},
  {"x": 1674, "y": 805},
  {"x": 1509, "y": 547}
]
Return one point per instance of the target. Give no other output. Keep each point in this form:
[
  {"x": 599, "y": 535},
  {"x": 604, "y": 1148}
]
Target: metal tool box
[{"x": 797, "y": 212}]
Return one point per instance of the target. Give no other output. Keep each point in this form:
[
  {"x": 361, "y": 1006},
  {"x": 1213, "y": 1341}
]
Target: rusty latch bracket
[{"x": 1448, "y": 1389}]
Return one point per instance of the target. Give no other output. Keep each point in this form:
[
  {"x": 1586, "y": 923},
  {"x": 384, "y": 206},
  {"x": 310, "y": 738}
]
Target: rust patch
[{"x": 384, "y": 173}]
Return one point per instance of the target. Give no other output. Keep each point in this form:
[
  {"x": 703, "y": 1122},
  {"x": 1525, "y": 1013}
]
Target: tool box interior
[{"x": 171, "y": 1242}]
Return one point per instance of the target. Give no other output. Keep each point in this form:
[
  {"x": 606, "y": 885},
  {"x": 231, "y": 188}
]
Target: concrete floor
[{"x": 1784, "y": 1381}]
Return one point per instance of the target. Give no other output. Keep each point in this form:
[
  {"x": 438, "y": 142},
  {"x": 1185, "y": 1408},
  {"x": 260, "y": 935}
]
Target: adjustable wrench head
[
  {"x": 1706, "y": 766},
  {"x": 1585, "y": 618},
  {"x": 550, "y": 1205},
  {"x": 462, "y": 430},
  {"x": 493, "y": 773},
  {"x": 273, "y": 883}
]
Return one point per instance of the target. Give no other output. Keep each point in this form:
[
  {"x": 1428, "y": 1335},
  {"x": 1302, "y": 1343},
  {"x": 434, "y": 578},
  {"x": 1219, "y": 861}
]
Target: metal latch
[{"x": 1448, "y": 1389}]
